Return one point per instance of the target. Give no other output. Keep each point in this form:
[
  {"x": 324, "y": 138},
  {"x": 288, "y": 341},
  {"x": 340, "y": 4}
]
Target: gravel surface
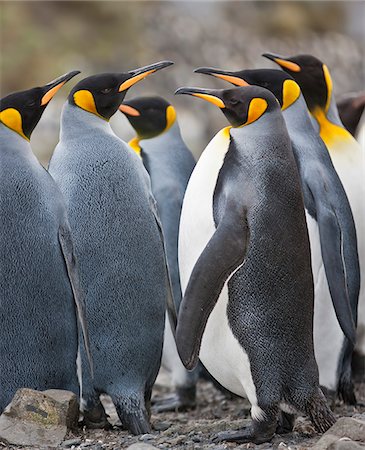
[{"x": 195, "y": 429}]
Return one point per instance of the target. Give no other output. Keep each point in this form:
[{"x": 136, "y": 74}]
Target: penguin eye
[
  {"x": 30, "y": 104},
  {"x": 106, "y": 90},
  {"x": 234, "y": 101}
]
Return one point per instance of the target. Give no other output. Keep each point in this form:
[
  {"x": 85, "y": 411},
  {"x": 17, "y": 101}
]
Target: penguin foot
[
  {"x": 285, "y": 423},
  {"x": 319, "y": 412},
  {"x": 183, "y": 400},
  {"x": 96, "y": 418},
  {"x": 244, "y": 435},
  {"x": 136, "y": 422}
]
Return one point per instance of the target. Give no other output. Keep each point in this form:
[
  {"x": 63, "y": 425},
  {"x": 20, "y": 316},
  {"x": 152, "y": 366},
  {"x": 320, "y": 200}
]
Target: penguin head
[
  {"x": 103, "y": 93},
  {"x": 281, "y": 84},
  {"x": 312, "y": 76},
  {"x": 149, "y": 116},
  {"x": 241, "y": 106},
  {"x": 21, "y": 111}
]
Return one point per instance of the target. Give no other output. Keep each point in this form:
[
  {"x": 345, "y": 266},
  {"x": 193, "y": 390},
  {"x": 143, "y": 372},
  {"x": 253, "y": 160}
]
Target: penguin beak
[
  {"x": 128, "y": 110},
  {"x": 223, "y": 74},
  {"x": 283, "y": 62},
  {"x": 143, "y": 72},
  {"x": 210, "y": 95},
  {"x": 52, "y": 87}
]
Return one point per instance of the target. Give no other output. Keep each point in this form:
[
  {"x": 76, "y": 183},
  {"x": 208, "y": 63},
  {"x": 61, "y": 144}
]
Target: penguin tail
[
  {"x": 133, "y": 414},
  {"x": 319, "y": 412}
]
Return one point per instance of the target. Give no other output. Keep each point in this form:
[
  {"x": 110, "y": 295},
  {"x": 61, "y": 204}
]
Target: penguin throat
[
  {"x": 134, "y": 144},
  {"x": 330, "y": 133}
]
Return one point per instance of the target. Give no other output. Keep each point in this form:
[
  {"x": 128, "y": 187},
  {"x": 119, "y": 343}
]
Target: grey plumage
[
  {"x": 38, "y": 332},
  {"x": 169, "y": 163},
  {"x": 122, "y": 266}
]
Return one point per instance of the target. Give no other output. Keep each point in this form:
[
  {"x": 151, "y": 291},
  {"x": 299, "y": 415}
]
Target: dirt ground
[{"x": 194, "y": 430}]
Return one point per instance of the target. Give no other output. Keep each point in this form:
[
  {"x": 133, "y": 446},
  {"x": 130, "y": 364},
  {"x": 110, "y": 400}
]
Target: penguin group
[{"x": 123, "y": 257}]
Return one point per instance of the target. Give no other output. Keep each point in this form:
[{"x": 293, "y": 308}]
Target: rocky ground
[{"x": 194, "y": 430}]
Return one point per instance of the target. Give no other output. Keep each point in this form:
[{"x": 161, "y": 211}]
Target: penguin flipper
[
  {"x": 223, "y": 254},
  {"x": 66, "y": 243},
  {"x": 171, "y": 309},
  {"x": 331, "y": 238}
]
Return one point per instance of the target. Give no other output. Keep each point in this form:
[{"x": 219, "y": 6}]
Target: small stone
[
  {"x": 325, "y": 441},
  {"x": 141, "y": 446},
  {"x": 70, "y": 442},
  {"x": 162, "y": 426},
  {"x": 345, "y": 444},
  {"x": 35, "y": 418},
  {"x": 146, "y": 437},
  {"x": 67, "y": 404},
  {"x": 348, "y": 427}
]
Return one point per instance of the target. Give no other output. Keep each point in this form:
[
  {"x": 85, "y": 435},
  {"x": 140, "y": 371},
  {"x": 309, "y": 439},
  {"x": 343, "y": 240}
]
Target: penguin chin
[{"x": 233, "y": 118}]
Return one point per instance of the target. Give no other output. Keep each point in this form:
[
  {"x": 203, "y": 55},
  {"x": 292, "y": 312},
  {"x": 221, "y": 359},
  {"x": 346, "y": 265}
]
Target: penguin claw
[
  {"x": 173, "y": 403},
  {"x": 243, "y": 435}
]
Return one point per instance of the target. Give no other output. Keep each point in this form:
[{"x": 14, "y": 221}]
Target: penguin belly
[
  {"x": 327, "y": 333},
  {"x": 220, "y": 351},
  {"x": 349, "y": 161}
]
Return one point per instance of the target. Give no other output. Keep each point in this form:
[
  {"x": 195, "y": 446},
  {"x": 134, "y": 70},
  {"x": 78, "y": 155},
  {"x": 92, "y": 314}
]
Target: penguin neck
[
  {"x": 297, "y": 118},
  {"x": 267, "y": 124},
  {"x": 75, "y": 122},
  {"x": 331, "y": 128},
  {"x": 161, "y": 143},
  {"x": 13, "y": 142}
]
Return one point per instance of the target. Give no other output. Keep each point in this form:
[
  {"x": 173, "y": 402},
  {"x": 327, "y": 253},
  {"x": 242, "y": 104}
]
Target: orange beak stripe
[
  {"x": 51, "y": 93},
  {"x": 231, "y": 79},
  {"x": 212, "y": 99},
  {"x": 288, "y": 65},
  {"x": 126, "y": 109},
  {"x": 131, "y": 81}
]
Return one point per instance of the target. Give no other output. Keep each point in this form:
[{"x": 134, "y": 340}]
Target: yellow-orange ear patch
[
  {"x": 291, "y": 92},
  {"x": 212, "y": 99},
  {"x": 12, "y": 118},
  {"x": 328, "y": 80},
  {"x": 170, "y": 117},
  {"x": 85, "y": 100},
  {"x": 49, "y": 94},
  {"x": 256, "y": 109},
  {"x": 131, "y": 81},
  {"x": 288, "y": 65},
  {"x": 134, "y": 144},
  {"x": 231, "y": 79}
]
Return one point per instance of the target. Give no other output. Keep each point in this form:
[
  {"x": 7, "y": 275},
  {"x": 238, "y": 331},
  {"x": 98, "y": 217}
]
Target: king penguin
[
  {"x": 169, "y": 163},
  {"x": 119, "y": 246},
  {"x": 245, "y": 266},
  {"x": 331, "y": 227},
  {"x": 347, "y": 155},
  {"x": 40, "y": 298}
]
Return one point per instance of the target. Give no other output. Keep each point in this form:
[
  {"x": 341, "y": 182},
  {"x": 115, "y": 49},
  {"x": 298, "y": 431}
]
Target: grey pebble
[
  {"x": 146, "y": 437},
  {"x": 162, "y": 426},
  {"x": 70, "y": 442}
]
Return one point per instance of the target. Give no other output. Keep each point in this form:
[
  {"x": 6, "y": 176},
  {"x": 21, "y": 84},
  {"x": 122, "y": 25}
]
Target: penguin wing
[
  {"x": 332, "y": 249},
  {"x": 171, "y": 309},
  {"x": 66, "y": 243},
  {"x": 222, "y": 256}
]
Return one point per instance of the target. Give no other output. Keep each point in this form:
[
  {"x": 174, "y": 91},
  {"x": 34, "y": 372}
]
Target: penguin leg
[
  {"x": 94, "y": 413},
  {"x": 285, "y": 423},
  {"x": 346, "y": 389},
  {"x": 132, "y": 412},
  {"x": 183, "y": 399},
  {"x": 261, "y": 429},
  {"x": 183, "y": 381}
]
